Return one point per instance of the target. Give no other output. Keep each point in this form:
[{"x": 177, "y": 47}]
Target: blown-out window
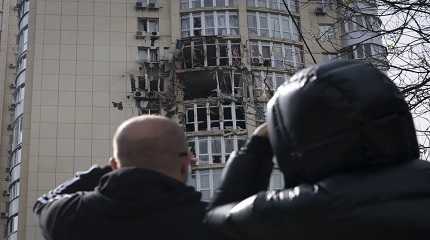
[
  {"x": 211, "y": 52},
  {"x": 214, "y": 116}
]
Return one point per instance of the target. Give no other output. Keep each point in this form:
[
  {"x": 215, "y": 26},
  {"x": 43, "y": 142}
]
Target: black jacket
[
  {"x": 384, "y": 202},
  {"x": 129, "y": 203}
]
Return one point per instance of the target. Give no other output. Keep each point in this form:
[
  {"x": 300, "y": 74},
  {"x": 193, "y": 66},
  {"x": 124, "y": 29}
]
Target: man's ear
[{"x": 114, "y": 163}]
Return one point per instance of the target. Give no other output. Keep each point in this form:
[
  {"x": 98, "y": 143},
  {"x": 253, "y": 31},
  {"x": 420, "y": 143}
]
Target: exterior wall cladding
[{"x": 85, "y": 66}]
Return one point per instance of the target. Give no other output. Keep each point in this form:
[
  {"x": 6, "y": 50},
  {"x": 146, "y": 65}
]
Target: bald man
[{"x": 140, "y": 195}]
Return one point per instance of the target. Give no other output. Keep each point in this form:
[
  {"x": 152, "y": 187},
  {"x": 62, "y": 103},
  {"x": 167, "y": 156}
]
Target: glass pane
[
  {"x": 216, "y": 145},
  {"x": 208, "y": 3},
  {"x": 203, "y": 146},
  {"x": 204, "y": 180},
  {"x": 220, "y": 3},
  {"x": 229, "y": 145}
]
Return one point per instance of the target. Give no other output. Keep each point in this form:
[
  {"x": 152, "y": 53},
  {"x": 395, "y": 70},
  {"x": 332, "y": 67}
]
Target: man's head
[
  {"x": 151, "y": 142},
  {"x": 339, "y": 117}
]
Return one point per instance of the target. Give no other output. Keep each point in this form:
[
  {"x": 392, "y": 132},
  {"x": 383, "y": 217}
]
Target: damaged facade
[{"x": 86, "y": 66}]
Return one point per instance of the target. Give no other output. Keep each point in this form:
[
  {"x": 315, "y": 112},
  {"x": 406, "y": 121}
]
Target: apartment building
[{"x": 87, "y": 65}]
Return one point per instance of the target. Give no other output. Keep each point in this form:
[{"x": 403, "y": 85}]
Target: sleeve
[
  {"x": 246, "y": 173},
  {"x": 261, "y": 216},
  {"x": 58, "y": 208}
]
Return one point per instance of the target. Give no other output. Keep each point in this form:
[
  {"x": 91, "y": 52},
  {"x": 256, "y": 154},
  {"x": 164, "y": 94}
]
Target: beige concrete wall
[{"x": 7, "y": 76}]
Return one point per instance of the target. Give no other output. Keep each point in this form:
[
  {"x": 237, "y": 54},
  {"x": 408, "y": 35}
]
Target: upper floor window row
[
  {"x": 268, "y": 25},
  {"x": 211, "y": 52},
  {"x": 293, "y": 5},
  {"x": 275, "y": 55},
  {"x": 362, "y": 23},
  {"x": 190, "y": 4},
  {"x": 210, "y": 23},
  {"x": 148, "y": 25}
]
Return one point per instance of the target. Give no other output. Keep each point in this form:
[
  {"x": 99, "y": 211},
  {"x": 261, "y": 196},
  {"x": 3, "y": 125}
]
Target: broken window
[
  {"x": 190, "y": 120},
  {"x": 211, "y": 52},
  {"x": 202, "y": 121},
  {"x": 214, "y": 117},
  {"x": 240, "y": 118},
  {"x": 198, "y": 54},
  {"x": 187, "y": 54},
  {"x": 224, "y": 80},
  {"x": 199, "y": 84},
  {"x": 237, "y": 84},
  {"x": 228, "y": 116},
  {"x": 216, "y": 150},
  {"x": 235, "y": 52},
  {"x": 204, "y": 117}
]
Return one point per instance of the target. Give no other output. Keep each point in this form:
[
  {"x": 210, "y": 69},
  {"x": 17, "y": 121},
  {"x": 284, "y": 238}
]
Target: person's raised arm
[
  {"x": 56, "y": 208},
  {"x": 247, "y": 171}
]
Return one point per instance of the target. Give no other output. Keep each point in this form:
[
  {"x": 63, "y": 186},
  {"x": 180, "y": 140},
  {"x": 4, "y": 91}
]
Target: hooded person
[
  {"x": 345, "y": 141},
  {"x": 140, "y": 195}
]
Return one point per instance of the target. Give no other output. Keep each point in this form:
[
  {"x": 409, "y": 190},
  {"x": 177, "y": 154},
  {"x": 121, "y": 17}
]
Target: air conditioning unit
[
  {"x": 12, "y": 86},
  {"x": 137, "y": 94},
  {"x": 139, "y": 5},
  {"x": 12, "y": 107},
  {"x": 256, "y": 61},
  {"x": 320, "y": 11},
  {"x": 153, "y": 5},
  {"x": 3, "y": 215},
  {"x": 154, "y": 35},
  {"x": 140, "y": 35},
  {"x": 11, "y": 65}
]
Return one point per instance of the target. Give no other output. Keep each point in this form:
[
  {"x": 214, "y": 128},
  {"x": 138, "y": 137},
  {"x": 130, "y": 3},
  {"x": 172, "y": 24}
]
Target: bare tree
[{"x": 404, "y": 28}]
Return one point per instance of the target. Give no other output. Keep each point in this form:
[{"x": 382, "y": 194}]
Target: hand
[{"x": 261, "y": 131}]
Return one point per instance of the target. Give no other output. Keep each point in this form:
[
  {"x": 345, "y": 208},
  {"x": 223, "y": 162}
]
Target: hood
[
  {"x": 339, "y": 117},
  {"x": 133, "y": 190}
]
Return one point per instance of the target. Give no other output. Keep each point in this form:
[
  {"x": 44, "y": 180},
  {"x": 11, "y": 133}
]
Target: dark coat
[
  {"x": 129, "y": 203},
  {"x": 382, "y": 202}
]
